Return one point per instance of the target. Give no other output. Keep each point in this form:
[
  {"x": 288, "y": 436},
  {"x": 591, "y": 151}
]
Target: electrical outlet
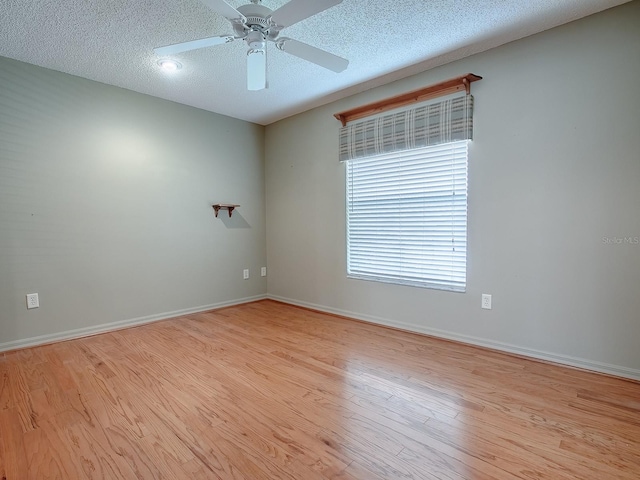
[
  {"x": 263, "y": 272},
  {"x": 486, "y": 301},
  {"x": 32, "y": 300},
  {"x": 245, "y": 274}
]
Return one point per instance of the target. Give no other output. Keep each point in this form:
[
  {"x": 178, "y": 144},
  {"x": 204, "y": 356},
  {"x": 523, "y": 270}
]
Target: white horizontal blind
[{"x": 407, "y": 217}]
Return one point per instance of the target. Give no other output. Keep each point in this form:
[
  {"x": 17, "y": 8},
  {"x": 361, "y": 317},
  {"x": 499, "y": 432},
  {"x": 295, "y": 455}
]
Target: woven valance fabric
[{"x": 444, "y": 121}]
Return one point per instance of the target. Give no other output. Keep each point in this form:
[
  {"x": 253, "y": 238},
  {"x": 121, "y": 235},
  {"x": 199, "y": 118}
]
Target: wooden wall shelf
[
  {"x": 230, "y": 207},
  {"x": 438, "y": 90}
]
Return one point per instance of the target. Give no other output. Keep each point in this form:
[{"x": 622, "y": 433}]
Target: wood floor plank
[
  {"x": 356, "y": 471},
  {"x": 271, "y": 391},
  {"x": 6, "y": 392},
  {"x": 368, "y": 455},
  {"x": 49, "y": 399},
  {"x": 93, "y": 452},
  {"x": 21, "y": 397},
  {"x": 48, "y": 455},
  {"x": 12, "y": 442}
]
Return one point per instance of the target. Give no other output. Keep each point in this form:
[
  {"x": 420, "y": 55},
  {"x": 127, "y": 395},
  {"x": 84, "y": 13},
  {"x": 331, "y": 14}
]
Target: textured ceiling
[{"x": 112, "y": 41}]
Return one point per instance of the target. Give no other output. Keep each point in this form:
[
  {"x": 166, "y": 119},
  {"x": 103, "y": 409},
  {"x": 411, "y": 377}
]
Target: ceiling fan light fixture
[
  {"x": 169, "y": 65},
  {"x": 256, "y": 70},
  {"x": 256, "y": 40}
]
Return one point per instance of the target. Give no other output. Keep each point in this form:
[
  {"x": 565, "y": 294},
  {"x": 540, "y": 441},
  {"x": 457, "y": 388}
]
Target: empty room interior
[{"x": 319, "y": 239}]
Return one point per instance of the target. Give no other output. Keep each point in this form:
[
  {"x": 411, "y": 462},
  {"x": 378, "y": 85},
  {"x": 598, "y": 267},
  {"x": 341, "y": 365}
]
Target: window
[
  {"x": 407, "y": 194},
  {"x": 407, "y": 217}
]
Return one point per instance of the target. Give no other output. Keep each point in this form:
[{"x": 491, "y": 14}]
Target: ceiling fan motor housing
[
  {"x": 256, "y": 15},
  {"x": 256, "y": 27}
]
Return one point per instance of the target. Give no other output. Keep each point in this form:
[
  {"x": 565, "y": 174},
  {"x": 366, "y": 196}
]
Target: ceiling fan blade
[
  {"x": 313, "y": 54},
  {"x": 256, "y": 69},
  {"x": 224, "y": 9},
  {"x": 193, "y": 45},
  {"x": 296, "y": 10}
]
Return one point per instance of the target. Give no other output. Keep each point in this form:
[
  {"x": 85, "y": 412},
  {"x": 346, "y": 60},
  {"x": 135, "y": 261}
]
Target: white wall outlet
[
  {"x": 486, "y": 301},
  {"x": 32, "y": 300},
  {"x": 263, "y": 271},
  {"x": 245, "y": 274}
]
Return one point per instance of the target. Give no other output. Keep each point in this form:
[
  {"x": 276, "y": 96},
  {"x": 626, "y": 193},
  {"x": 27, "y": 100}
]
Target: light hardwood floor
[{"x": 271, "y": 391}]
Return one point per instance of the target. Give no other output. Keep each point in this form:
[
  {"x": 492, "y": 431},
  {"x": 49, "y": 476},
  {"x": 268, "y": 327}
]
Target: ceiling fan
[{"x": 257, "y": 25}]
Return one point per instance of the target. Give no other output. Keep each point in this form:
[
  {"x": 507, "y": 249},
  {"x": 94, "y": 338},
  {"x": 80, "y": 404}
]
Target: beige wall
[
  {"x": 554, "y": 169},
  {"x": 105, "y": 206}
]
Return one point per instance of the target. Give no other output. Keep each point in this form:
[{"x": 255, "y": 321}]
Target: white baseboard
[
  {"x": 616, "y": 370},
  {"x": 108, "y": 327}
]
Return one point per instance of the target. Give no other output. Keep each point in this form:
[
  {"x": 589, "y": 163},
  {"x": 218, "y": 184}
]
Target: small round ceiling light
[{"x": 169, "y": 65}]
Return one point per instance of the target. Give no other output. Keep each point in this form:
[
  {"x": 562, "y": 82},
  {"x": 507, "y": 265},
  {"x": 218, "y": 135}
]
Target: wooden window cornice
[{"x": 437, "y": 90}]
